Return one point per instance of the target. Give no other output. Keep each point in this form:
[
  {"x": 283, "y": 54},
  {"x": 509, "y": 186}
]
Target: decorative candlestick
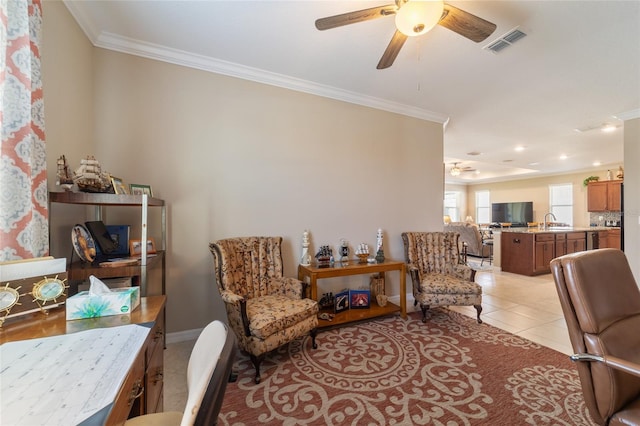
[
  {"x": 379, "y": 247},
  {"x": 305, "y": 259},
  {"x": 344, "y": 251}
]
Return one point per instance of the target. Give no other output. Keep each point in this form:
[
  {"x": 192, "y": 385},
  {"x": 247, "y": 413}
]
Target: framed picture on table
[
  {"x": 135, "y": 247},
  {"x": 137, "y": 189},
  {"x": 360, "y": 299},
  {"x": 118, "y": 186}
]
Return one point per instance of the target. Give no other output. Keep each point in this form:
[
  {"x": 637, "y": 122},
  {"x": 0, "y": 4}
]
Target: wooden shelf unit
[{"x": 146, "y": 265}]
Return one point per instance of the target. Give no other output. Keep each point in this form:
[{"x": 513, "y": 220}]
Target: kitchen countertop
[{"x": 555, "y": 230}]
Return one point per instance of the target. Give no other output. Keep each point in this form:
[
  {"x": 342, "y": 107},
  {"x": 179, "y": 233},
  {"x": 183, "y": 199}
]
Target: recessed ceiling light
[
  {"x": 473, "y": 153},
  {"x": 507, "y": 161},
  {"x": 597, "y": 163},
  {"x": 535, "y": 163},
  {"x": 519, "y": 148},
  {"x": 608, "y": 128},
  {"x": 563, "y": 156}
]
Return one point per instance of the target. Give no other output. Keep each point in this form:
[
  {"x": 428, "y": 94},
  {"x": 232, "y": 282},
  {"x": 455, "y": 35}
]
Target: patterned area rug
[{"x": 449, "y": 371}]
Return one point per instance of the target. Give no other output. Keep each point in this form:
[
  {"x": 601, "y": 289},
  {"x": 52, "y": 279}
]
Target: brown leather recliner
[{"x": 601, "y": 304}]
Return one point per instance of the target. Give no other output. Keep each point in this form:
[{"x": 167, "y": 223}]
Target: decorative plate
[{"x": 83, "y": 244}]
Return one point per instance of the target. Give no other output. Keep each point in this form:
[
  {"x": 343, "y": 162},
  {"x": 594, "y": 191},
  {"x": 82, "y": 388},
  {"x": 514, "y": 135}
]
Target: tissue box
[{"x": 119, "y": 301}]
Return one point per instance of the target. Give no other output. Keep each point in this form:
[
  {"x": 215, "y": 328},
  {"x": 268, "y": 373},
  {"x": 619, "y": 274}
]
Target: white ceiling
[{"x": 578, "y": 67}]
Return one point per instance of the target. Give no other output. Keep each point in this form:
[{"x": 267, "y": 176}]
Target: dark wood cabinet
[
  {"x": 604, "y": 196},
  {"x": 561, "y": 244},
  {"x": 545, "y": 251},
  {"x": 529, "y": 253}
]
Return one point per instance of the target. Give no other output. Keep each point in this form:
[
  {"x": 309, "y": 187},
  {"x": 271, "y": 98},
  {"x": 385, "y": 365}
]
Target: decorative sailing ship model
[
  {"x": 64, "y": 178},
  {"x": 90, "y": 178}
]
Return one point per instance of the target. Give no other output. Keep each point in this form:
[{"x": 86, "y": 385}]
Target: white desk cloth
[{"x": 64, "y": 380}]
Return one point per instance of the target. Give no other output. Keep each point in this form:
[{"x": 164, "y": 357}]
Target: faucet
[{"x": 545, "y": 219}]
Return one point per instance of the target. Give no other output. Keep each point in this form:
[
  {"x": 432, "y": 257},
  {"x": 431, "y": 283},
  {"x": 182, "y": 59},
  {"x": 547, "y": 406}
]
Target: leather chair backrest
[
  {"x": 601, "y": 304},
  {"x": 431, "y": 252},
  {"x": 246, "y": 265}
]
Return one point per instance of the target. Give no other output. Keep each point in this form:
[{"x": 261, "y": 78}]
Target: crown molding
[
  {"x": 187, "y": 59},
  {"x": 157, "y": 52}
]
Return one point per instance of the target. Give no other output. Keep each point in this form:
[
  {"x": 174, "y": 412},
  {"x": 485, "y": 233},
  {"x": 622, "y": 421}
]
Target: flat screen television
[{"x": 518, "y": 214}]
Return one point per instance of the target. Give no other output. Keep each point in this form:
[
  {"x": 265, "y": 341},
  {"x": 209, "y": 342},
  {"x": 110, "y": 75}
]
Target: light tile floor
[{"x": 525, "y": 306}]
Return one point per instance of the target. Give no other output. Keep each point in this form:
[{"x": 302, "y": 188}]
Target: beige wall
[
  {"x": 632, "y": 194},
  {"x": 233, "y": 158}
]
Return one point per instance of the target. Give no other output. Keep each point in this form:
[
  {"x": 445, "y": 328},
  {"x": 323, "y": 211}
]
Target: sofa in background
[{"x": 470, "y": 235}]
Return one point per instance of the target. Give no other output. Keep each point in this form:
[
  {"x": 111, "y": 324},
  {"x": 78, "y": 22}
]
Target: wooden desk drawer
[
  {"x": 131, "y": 390},
  {"x": 155, "y": 381},
  {"x": 156, "y": 337},
  {"x": 154, "y": 378}
]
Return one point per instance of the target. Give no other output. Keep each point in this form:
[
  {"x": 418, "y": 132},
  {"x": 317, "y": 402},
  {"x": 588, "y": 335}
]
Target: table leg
[{"x": 403, "y": 292}]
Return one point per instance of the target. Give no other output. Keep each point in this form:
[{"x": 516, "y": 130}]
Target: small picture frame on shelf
[
  {"x": 138, "y": 189},
  {"x": 341, "y": 301},
  {"x": 118, "y": 186},
  {"x": 359, "y": 299},
  {"x": 135, "y": 247}
]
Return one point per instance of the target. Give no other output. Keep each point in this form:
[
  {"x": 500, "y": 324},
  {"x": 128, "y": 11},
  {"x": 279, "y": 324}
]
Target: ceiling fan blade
[
  {"x": 389, "y": 55},
  {"x": 466, "y": 24},
  {"x": 355, "y": 17}
]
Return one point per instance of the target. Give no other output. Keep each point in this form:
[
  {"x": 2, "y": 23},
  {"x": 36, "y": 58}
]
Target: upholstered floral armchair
[
  {"x": 264, "y": 309},
  {"x": 439, "y": 279}
]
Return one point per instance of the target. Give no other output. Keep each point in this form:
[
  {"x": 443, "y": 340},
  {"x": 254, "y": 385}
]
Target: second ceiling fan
[{"x": 413, "y": 18}]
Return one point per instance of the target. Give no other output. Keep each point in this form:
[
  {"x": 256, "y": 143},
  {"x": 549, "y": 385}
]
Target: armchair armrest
[
  {"x": 610, "y": 361},
  {"x": 414, "y": 272},
  {"x": 236, "y": 307},
  {"x": 464, "y": 272},
  {"x": 230, "y": 297}
]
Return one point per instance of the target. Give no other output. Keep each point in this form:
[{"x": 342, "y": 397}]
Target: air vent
[{"x": 505, "y": 41}]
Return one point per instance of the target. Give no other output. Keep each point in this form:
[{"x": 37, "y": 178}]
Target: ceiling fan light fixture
[
  {"x": 416, "y": 17},
  {"x": 455, "y": 171}
]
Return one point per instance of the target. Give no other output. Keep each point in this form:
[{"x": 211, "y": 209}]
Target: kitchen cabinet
[
  {"x": 576, "y": 241},
  {"x": 604, "y": 196},
  {"x": 612, "y": 239},
  {"x": 544, "y": 252},
  {"x": 529, "y": 253}
]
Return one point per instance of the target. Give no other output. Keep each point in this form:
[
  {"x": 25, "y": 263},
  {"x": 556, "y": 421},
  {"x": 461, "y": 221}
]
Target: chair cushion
[
  {"x": 447, "y": 290},
  {"x": 448, "y": 284},
  {"x": 271, "y": 314}
]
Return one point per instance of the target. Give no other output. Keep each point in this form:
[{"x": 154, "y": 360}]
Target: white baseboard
[{"x": 183, "y": 336}]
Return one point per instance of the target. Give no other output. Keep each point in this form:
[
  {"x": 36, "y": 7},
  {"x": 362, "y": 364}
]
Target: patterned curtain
[{"x": 24, "y": 228}]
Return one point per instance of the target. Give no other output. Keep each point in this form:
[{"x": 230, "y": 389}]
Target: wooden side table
[{"x": 314, "y": 273}]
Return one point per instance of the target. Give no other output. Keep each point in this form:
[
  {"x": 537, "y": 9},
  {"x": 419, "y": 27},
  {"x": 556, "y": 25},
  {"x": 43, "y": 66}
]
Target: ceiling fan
[
  {"x": 455, "y": 170},
  {"x": 413, "y": 18}
]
